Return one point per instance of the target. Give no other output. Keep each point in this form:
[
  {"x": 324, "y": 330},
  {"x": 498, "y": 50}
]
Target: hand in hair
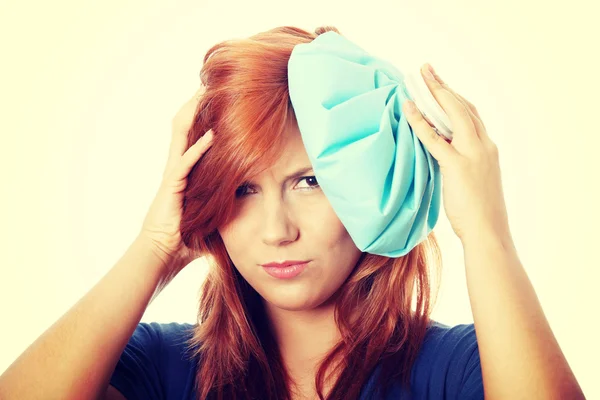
[{"x": 161, "y": 225}]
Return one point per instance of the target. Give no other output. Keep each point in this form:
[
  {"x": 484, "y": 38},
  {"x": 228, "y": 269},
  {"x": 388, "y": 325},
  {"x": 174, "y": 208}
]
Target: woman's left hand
[{"x": 472, "y": 187}]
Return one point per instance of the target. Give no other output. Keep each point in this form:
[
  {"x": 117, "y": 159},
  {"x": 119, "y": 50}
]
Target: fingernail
[
  {"x": 435, "y": 76},
  {"x": 429, "y": 72},
  {"x": 410, "y": 107}
]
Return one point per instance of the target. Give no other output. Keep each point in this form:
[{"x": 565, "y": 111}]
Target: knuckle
[
  {"x": 433, "y": 135},
  {"x": 464, "y": 111},
  {"x": 427, "y": 128},
  {"x": 492, "y": 149},
  {"x": 479, "y": 157},
  {"x": 473, "y": 109},
  {"x": 465, "y": 101}
]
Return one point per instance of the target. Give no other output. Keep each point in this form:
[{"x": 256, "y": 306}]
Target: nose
[{"x": 278, "y": 225}]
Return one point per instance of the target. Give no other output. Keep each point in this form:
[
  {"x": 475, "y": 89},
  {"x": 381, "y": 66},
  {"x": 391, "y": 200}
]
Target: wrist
[
  {"x": 161, "y": 260},
  {"x": 481, "y": 237}
]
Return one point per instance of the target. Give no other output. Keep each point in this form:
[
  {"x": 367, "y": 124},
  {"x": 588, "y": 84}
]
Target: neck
[
  {"x": 300, "y": 334},
  {"x": 304, "y": 338}
]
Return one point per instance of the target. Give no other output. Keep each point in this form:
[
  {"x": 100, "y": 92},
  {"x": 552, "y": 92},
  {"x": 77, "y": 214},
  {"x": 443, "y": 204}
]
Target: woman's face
[{"x": 284, "y": 216}]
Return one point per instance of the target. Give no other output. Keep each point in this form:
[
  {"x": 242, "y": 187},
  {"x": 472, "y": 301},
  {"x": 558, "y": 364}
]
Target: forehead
[
  {"x": 293, "y": 153},
  {"x": 291, "y": 158}
]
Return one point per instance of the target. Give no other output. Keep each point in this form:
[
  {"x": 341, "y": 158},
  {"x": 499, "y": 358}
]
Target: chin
[
  {"x": 291, "y": 300},
  {"x": 289, "y": 306}
]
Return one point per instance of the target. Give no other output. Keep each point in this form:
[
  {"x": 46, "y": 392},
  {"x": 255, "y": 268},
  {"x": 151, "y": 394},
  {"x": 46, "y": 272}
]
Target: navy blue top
[{"x": 154, "y": 365}]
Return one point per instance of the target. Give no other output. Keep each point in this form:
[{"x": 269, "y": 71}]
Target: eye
[
  {"x": 242, "y": 190},
  {"x": 311, "y": 180}
]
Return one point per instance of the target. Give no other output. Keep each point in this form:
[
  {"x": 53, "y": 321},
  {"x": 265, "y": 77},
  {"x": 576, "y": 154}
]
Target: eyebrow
[{"x": 299, "y": 173}]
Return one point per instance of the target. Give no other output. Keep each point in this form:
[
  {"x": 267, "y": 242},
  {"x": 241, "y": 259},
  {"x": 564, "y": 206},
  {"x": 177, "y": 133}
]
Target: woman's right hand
[{"x": 161, "y": 227}]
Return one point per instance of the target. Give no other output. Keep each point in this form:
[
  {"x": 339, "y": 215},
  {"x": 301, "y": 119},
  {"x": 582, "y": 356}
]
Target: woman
[{"x": 238, "y": 189}]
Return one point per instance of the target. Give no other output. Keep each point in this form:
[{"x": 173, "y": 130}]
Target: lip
[
  {"x": 285, "y": 270},
  {"x": 284, "y": 264}
]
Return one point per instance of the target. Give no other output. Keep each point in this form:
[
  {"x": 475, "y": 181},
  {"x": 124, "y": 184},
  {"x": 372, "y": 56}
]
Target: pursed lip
[{"x": 283, "y": 264}]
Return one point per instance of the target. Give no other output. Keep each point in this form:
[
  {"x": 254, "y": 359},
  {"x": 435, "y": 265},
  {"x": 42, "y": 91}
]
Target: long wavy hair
[{"x": 383, "y": 308}]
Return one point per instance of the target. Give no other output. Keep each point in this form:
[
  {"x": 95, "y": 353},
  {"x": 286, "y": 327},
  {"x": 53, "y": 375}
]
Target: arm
[
  {"x": 520, "y": 357},
  {"x": 75, "y": 357}
]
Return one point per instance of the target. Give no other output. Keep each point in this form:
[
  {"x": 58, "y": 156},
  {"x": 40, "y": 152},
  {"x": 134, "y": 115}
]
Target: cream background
[{"x": 88, "y": 91}]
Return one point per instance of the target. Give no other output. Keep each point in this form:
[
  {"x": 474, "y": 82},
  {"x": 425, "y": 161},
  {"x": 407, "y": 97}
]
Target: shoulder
[
  {"x": 447, "y": 367},
  {"x": 443, "y": 341},
  {"x": 165, "y": 342},
  {"x": 170, "y": 344},
  {"x": 448, "y": 364},
  {"x": 156, "y": 362},
  {"x": 170, "y": 334}
]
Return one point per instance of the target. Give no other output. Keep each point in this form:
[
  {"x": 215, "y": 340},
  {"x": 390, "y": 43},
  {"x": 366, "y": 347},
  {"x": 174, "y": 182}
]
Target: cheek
[
  {"x": 231, "y": 237},
  {"x": 337, "y": 242},
  {"x": 325, "y": 221},
  {"x": 331, "y": 234},
  {"x": 314, "y": 216},
  {"x": 328, "y": 234}
]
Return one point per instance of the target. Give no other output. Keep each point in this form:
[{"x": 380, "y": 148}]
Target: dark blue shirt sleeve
[
  {"x": 448, "y": 366},
  {"x": 458, "y": 355},
  {"x": 137, "y": 373},
  {"x": 472, "y": 385}
]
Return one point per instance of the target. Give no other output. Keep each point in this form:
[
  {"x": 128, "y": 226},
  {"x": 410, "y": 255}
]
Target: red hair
[{"x": 247, "y": 105}]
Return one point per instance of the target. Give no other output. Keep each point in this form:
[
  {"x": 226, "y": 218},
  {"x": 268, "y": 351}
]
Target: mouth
[
  {"x": 286, "y": 270},
  {"x": 284, "y": 263}
]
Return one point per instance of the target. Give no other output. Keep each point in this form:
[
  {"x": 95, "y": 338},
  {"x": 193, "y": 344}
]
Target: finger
[
  {"x": 477, "y": 120},
  {"x": 437, "y": 145},
  {"x": 465, "y": 137},
  {"x": 183, "y": 121},
  {"x": 193, "y": 154},
  {"x": 479, "y": 126},
  {"x": 181, "y": 125},
  {"x": 466, "y": 102}
]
